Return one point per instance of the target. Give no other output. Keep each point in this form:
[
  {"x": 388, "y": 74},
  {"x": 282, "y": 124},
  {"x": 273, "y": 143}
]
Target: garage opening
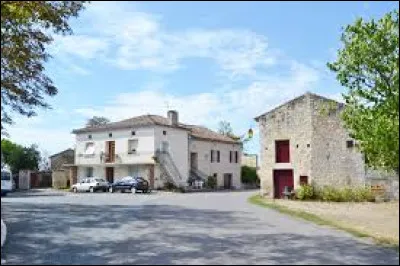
[{"x": 282, "y": 178}]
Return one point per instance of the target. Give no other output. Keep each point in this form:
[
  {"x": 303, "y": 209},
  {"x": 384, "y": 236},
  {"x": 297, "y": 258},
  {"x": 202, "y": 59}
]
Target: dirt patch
[{"x": 378, "y": 219}]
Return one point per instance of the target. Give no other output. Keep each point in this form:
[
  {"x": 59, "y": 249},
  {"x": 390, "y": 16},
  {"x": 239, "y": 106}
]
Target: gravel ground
[
  {"x": 47, "y": 227},
  {"x": 378, "y": 219}
]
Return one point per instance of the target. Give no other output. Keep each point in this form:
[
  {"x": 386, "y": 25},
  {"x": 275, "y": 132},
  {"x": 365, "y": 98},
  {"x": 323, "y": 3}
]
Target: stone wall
[
  {"x": 60, "y": 179},
  {"x": 291, "y": 121},
  {"x": 333, "y": 163},
  {"x": 389, "y": 180}
]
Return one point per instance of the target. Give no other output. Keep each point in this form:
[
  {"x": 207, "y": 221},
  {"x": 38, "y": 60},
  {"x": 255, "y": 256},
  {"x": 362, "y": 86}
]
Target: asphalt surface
[{"x": 48, "y": 227}]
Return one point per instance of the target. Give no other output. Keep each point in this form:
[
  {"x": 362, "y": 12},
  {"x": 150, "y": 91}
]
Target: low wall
[{"x": 60, "y": 179}]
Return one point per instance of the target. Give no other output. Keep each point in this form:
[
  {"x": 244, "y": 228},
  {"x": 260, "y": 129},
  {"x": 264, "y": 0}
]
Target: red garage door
[{"x": 282, "y": 178}]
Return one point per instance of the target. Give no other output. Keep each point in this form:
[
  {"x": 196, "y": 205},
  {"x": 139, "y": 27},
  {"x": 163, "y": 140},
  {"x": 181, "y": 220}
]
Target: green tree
[
  {"x": 97, "y": 121},
  {"x": 26, "y": 29},
  {"x": 225, "y": 128},
  {"x": 249, "y": 175},
  {"x": 368, "y": 66},
  {"x": 19, "y": 157}
]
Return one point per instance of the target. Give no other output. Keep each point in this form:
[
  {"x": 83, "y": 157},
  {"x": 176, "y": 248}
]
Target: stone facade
[{"x": 318, "y": 144}]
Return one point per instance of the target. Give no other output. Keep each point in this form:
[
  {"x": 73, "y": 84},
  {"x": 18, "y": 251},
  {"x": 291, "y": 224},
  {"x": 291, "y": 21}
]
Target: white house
[{"x": 158, "y": 149}]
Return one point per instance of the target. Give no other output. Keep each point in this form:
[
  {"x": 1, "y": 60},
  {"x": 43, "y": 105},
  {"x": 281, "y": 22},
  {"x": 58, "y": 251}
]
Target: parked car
[
  {"x": 6, "y": 180},
  {"x": 132, "y": 184},
  {"x": 91, "y": 184}
]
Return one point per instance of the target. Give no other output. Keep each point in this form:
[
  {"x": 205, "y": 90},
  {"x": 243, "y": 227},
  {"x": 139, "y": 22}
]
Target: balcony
[{"x": 142, "y": 157}]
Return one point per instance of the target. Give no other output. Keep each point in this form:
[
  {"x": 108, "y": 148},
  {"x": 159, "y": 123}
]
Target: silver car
[{"x": 91, "y": 184}]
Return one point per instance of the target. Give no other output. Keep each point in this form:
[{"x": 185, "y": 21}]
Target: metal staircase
[
  {"x": 196, "y": 174},
  {"x": 170, "y": 169}
]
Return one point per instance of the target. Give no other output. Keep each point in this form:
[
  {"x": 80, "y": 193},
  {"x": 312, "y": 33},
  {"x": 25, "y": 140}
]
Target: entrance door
[
  {"x": 151, "y": 176},
  {"x": 110, "y": 151},
  {"x": 193, "y": 160},
  {"x": 110, "y": 174},
  {"x": 227, "y": 181},
  {"x": 282, "y": 178}
]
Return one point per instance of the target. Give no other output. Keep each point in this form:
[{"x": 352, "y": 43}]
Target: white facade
[
  {"x": 224, "y": 166},
  {"x": 91, "y": 147}
]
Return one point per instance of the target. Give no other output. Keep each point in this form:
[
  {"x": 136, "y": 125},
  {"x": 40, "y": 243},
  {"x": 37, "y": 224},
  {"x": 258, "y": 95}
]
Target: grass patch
[{"x": 257, "y": 200}]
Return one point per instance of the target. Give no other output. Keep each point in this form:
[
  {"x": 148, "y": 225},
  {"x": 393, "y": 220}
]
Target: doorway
[
  {"x": 110, "y": 174},
  {"x": 282, "y": 178},
  {"x": 227, "y": 181},
  {"x": 110, "y": 146},
  {"x": 193, "y": 160}
]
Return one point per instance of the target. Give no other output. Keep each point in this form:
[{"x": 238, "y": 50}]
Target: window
[
  {"x": 212, "y": 156},
  {"x": 89, "y": 171},
  {"x": 308, "y": 145},
  {"x": 282, "y": 153},
  {"x": 230, "y": 156},
  {"x": 5, "y": 175},
  {"x": 133, "y": 133},
  {"x": 110, "y": 135},
  {"x": 132, "y": 146},
  {"x": 164, "y": 132},
  {"x": 89, "y": 148},
  {"x": 236, "y": 156},
  {"x": 349, "y": 144},
  {"x": 218, "y": 156},
  {"x": 303, "y": 180},
  {"x": 89, "y": 136},
  {"x": 215, "y": 175}
]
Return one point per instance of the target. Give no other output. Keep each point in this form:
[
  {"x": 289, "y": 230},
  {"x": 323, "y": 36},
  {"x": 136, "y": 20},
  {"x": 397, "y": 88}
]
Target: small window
[
  {"x": 133, "y": 133},
  {"x": 297, "y": 145},
  {"x": 164, "y": 132},
  {"x": 308, "y": 145},
  {"x": 350, "y": 144},
  {"x": 303, "y": 180},
  {"x": 89, "y": 136},
  {"x": 230, "y": 156},
  {"x": 110, "y": 135},
  {"x": 215, "y": 175},
  {"x": 236, "y": 156},
  {"x": 212, "y": 156},
  {"x": 218, "y": 156}
]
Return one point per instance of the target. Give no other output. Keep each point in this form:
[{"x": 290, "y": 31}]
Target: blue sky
[{"x": 210, "y": 61}]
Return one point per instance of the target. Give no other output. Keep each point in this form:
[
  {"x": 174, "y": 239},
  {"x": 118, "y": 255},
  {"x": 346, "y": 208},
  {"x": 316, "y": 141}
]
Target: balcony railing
[{"x": 139, "y": 157}]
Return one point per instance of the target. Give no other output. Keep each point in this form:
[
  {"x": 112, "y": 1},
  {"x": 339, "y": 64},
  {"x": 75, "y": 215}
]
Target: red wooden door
[
  {"x": 282, "y": 151},
  {"x": 282, "y": 178}
]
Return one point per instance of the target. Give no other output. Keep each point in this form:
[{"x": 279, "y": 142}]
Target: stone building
[
  {"x": 58, "y": 165},
  {"x": 304, "y": 141}
]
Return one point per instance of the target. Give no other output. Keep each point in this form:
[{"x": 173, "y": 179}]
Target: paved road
[{"x": 47, "y": 227}]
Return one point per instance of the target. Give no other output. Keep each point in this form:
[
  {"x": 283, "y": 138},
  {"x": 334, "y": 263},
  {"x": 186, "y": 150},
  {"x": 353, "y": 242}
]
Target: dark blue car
[{"x": 132, "y": 184}]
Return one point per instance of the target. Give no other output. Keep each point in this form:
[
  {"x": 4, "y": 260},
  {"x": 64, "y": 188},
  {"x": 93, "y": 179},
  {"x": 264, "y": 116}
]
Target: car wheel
[
  {"x": 91, "y": 189},
  {"x": 75, "y": 190},
  {"x": 111, "y": 190},
  {"x": 133, "y": 190}
]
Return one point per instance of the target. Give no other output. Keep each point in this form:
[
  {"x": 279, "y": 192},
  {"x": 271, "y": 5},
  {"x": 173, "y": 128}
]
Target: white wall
[
  {"x": 178, "y": 147},
  {"x": 145, "y": 150},
  {"x": 204, "y": 164}
]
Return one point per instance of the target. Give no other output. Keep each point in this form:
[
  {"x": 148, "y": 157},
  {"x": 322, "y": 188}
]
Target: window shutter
[
  {"x": 218, "y": 156},
  {"x": 212, "y": 155},
  {"x": 236, "y": 156},
  {"x": 230, "y": 156}
]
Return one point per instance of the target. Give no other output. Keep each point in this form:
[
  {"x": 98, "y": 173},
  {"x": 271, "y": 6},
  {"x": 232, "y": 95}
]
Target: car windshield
[
  {"x": 100, "y": 180},
  {"x": 5, "y": 175}
]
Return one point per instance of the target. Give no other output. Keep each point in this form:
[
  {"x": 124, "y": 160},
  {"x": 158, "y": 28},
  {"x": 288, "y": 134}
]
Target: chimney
[{"x": 173, "y": 117}]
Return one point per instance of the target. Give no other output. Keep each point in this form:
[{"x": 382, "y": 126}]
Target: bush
[
  {"x": 305, "y": 192},
  {"x": 359, "y": 194},
  {"x": 211, "y": 182},
  {"x": 249, "y": 175},
  {"x": 169, "y": 186}
]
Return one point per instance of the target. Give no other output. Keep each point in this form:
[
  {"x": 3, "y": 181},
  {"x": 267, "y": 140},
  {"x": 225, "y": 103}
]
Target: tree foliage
[
  {"x": 26, "y": 29},
  {"x": 225, "y": 128},
  {"x": 19, "y": 157},
  {"x": 368, "y": 65},
  {"x": 249, "y": 175},
  {"x": 97, "y": 121}
]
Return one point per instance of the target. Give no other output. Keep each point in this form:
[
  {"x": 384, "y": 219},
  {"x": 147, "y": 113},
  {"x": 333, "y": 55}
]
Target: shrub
[
  {"x": 363, "y": 194},
  {"x": 305, "y": 192},
  {"x": 211, "y": 182},
  {"x": 169, "y": 186},
  {"x": 249, "y": 175},
  {"x": 358, "y": 194}
]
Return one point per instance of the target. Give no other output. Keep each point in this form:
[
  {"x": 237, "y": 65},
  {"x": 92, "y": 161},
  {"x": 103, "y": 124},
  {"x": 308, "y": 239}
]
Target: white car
[
  {"x": 6, "y": 180},
  {"x": 90, "y": 184}
]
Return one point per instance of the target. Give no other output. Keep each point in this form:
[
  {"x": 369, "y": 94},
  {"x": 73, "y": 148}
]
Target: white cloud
[{"x": 136, "y": 40}]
